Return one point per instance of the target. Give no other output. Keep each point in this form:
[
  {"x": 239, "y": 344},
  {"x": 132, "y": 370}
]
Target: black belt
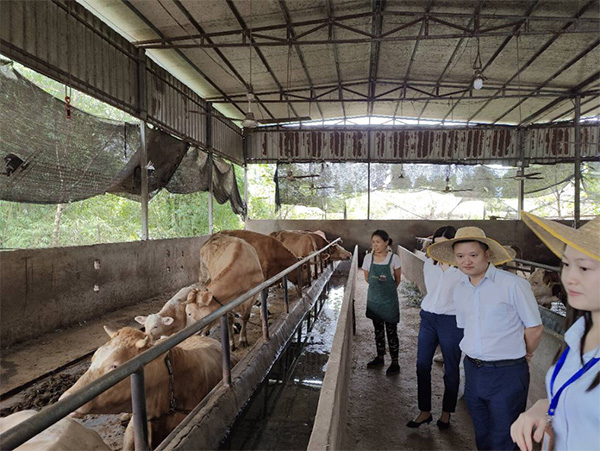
[{"x": 496, "y": 363}]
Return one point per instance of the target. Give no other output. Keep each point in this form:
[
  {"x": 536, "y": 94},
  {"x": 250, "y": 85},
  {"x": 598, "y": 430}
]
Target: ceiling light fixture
[{"x": 478, "y": 68}]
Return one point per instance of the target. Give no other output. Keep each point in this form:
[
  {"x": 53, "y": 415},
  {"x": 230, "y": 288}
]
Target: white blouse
[
  {"x": 576, "y": 422},
  {"x": 369, "y": 257},
  {"x": 440, "y": 288}
]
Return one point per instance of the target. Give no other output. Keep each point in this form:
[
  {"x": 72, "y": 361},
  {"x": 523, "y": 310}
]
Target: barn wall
[
  {"x": 46, "y": 289},
  {"x": 403, "y": 233}
]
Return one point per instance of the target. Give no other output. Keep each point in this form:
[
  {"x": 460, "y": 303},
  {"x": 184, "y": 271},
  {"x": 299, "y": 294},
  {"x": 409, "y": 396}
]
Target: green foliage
[{"x": 410, "y": 291}]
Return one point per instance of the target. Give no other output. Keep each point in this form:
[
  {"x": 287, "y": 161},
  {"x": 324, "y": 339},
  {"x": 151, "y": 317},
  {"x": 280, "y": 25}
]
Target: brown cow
[
  {"x": 196, "y": 366},
  {"x": 303, "y": 243},
  {"x": 273, "y": 255},
  {"x": 229, "y": 267},
  {"x": 546, "y": 287}
]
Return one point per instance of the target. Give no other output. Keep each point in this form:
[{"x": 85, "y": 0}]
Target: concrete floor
[{"x": 380, "y": 406}]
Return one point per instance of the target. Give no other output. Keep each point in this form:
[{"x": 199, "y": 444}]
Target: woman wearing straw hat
[
  {"x": 502, "y": 328},
  {"x": 438, "y": 327},
  {"x": 570, "y": 416}
]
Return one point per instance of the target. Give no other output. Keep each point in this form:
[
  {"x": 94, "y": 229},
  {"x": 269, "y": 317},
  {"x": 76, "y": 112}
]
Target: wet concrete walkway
[{"x": 380, "y": 406}]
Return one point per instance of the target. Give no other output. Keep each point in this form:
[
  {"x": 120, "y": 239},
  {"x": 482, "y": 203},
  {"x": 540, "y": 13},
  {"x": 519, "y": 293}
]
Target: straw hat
[
  {"x": 444, "y": 253},
  {"x": 556, "y": 236}
]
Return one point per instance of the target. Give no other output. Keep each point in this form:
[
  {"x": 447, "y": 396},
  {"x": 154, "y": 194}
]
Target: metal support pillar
[
  {"x": 300, "y": 279},
  {"x": 577, "y": 212},
  {"x": 521, "y": 172},
  {"x": 140, "y": 420},
  {"x": 264, "y": 294},
  {"x": 143, "y": 114},
  {"x": 210, "y": 168},
  {"x": 286, "y": 297},
  {"x": 368, "y": 190},
  {"x": 246, "y": 194},
  {"x": 225, "y": 349}
]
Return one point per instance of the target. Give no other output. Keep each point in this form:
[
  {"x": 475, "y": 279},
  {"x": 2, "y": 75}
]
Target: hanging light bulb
[{"x": 478, "y": 81}]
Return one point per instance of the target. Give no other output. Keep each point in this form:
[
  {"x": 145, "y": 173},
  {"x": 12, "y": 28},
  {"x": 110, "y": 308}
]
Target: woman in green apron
[{"x": 382, "y": 273}]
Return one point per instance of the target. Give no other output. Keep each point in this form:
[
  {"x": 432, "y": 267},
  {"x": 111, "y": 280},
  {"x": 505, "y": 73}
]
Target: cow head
[
  {"x": 123, "y": 345},
  {"x": 156, "y": 325},
  {"x": 545, "y": 285},
  {"x": 199, "y": 304},
  {"x": 339, "y": 253}
]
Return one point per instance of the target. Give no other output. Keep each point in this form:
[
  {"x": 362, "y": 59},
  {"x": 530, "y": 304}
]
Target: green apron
[{"x": 382, "y": 297}]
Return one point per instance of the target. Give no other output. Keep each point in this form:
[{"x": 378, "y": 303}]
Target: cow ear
[
  {"x": 110, "y": 331},
  {"x": 167, "y": 320},
  {"x": 191, "y": 297},
  {"x": 206, "y": 298},
  {"x": 324, "y": 256},
  {"x": 140, "y": 344},
  {"x": 141, "y": 319}
]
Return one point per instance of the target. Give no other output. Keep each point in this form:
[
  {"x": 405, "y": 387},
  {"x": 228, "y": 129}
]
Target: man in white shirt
[{"x": 502, "y": 328}]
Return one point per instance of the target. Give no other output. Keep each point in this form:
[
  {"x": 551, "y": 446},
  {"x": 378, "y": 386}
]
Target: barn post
[
  {"x": 246, "y": 193},
  {"x": 521, "y": 172},
  {"x": 577, "y": 212},
  {"x": 264, "y": 294},
  {"x": 140, "y": 420},
  {"x": 225, "y": 352},
  {"x": 209, "y": 144},
  {"x": 143, "y": 114},
  {"x": 300, "y": 279},
  {"x": 286, "y": 298}
]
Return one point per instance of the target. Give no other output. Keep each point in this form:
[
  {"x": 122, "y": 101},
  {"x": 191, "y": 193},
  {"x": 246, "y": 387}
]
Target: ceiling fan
[
  {"x": 313, "y": 187},
  {"x": 447, "y": 188},
  {"x": 530, "y": 176},
  {"x": 289, "y": 176}
]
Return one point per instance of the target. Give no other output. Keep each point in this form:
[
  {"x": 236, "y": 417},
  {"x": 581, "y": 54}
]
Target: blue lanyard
[{"x": 577, "y": 375}]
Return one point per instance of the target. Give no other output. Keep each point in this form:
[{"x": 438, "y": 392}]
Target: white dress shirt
[
  {"x": 576, "y": 421},
  {"x": 495, "y": 314},
  {"x": 440, "y": 288}
]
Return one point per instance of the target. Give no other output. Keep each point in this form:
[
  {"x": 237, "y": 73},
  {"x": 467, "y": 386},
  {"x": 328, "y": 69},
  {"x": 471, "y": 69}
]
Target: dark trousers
[
  {"x": 495, "y": 398},
  {"x": 381, "y": 328},
  {"x": 438, "y": 329}
]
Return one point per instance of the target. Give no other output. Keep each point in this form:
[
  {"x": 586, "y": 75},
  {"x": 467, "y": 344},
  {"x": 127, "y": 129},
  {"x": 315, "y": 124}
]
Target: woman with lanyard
[
  {"x": 438, "y": 327},
  {"x": 570, "y": 416},
  {"x": 382, "y": 273}
]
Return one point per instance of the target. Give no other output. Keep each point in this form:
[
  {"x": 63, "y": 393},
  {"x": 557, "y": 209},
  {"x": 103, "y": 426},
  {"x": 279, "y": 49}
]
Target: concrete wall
[
  {"x": 330, "y": 419},
  {"x": 412, "y": 267},
  {"x": 45, "y": 289},
  {"x": 403, "y": 233}
]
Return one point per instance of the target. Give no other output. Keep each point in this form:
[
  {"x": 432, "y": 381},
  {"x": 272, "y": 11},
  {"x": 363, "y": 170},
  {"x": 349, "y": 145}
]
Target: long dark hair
[
  {"x": 444, "y": 232},
  {"x": 573, "y": 315}
]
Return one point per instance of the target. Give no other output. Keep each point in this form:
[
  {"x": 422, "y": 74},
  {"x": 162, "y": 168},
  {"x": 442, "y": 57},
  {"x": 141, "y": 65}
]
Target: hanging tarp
[{"x": 52, "y": 156}]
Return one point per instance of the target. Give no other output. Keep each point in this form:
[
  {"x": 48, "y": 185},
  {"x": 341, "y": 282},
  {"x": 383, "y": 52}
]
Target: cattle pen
[{"x": 325, "y": 118}]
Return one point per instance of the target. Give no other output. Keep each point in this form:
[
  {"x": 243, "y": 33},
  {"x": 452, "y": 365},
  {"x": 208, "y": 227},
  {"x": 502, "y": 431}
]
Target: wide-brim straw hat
[
  {"x": 556, "y": 236},
  {"x": 444, "y": 253}
]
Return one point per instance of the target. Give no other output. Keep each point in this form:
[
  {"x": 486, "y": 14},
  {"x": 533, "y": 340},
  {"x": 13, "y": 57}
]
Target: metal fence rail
[{"x": 135, "y": 368}]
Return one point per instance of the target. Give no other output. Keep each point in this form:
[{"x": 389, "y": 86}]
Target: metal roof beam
[
  {"x": 200, "y": 30},
  {"x": 376, "y": 27},
  {"x": 594, "y": 77},
  {"x": 422, "y": 29},
  {"x": 500, "y": 48},
  {"x": 563, "y": 114},
  {"x": 180, "y": 53},
  {"x": 336, "y": 56},
  {"x": 564, "y": 68},
  {"x": 260, "y": 54},
  {"x": 288, "y": 20},
  {"x": 440, "y": 17},
  {"x": 454, "y": 53},
  {"x": 541, "y": 50}
]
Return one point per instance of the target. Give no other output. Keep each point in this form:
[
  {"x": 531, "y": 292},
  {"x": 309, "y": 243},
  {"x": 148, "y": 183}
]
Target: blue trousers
[
  {"x": 438, "y": 329},
  {"x": 495, "y": 398}
]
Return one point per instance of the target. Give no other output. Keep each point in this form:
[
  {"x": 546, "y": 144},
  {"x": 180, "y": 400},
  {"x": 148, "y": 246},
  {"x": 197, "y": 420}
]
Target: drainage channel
[{"x": 280, "y": 414}]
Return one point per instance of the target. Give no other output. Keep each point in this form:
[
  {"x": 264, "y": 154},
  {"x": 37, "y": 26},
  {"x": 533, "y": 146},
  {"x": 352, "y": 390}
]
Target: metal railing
[
  {"x": 22, "y": 432},
  {"x": 533, "y": 265}
]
